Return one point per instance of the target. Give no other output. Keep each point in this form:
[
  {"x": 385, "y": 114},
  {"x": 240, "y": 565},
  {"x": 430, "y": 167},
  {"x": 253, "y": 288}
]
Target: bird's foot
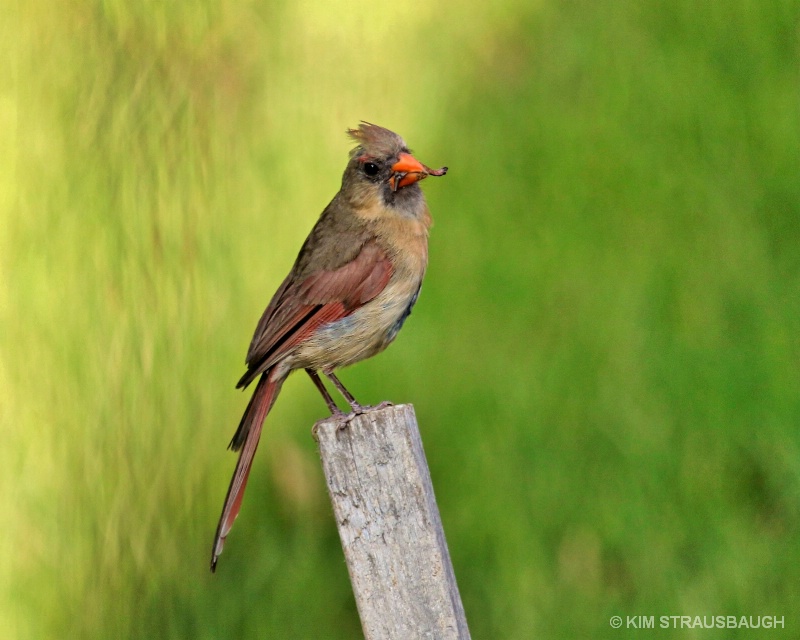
[
  {"x": 358, "y": 409},
  {"x": 355, "y": 410},
  {"x": 341, "y": 419}
]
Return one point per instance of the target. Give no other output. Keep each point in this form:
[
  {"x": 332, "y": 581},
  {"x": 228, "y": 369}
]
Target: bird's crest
[{"x": 376, "y": 140}]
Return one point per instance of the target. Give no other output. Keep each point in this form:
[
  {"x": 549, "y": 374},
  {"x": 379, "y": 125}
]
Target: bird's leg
[
  {"x": 357, "y": 408},
  {"x": 336, "y": 411}
]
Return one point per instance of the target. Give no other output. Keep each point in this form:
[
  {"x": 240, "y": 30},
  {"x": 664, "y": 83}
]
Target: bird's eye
[{"x": 371, "y": 169}]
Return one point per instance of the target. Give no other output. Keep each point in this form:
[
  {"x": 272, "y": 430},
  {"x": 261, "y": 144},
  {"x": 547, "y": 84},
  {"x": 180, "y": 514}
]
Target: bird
[{"x": 353, "y": 285}]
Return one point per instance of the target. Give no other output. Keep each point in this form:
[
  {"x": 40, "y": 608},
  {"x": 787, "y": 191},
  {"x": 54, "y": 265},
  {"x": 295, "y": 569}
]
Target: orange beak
[{"x": 408, "y": 170}]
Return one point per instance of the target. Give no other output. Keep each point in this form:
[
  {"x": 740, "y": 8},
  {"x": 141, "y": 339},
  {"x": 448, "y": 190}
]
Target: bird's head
[{"x": 382, "y": 164}]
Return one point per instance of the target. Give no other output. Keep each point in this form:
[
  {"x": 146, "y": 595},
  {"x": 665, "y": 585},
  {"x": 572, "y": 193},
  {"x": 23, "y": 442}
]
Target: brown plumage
[{"x": 352, "y": 286}]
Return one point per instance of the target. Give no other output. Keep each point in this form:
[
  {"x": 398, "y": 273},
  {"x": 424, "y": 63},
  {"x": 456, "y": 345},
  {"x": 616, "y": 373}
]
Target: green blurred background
[{"x": 605, "y": 360}]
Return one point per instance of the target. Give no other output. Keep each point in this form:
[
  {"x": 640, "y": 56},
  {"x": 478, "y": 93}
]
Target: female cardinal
[{"x": 352, "y": 286}]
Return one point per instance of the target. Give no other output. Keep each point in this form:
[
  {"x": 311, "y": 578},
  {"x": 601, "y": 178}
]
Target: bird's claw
[
  {"x": 357, "y": 409},
  {"x": 360, "y": 409}
]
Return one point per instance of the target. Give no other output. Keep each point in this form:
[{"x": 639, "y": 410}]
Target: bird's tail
[{"x": 246, "y": 439}]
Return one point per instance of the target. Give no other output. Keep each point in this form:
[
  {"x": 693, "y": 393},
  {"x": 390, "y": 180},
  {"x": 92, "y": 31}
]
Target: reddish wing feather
[
  {"x": 299, "y": 308},
  {"x": 355, "y": 283},
  {"x": 269, "y": 312}
]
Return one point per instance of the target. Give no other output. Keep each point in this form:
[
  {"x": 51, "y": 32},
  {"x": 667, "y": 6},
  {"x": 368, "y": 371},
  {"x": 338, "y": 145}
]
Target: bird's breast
[{"x": 364, "y": 333}]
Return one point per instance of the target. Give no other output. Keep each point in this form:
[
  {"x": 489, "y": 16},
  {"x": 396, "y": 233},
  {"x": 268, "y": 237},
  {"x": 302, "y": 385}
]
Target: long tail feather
[{"x": 249, "y": 432}]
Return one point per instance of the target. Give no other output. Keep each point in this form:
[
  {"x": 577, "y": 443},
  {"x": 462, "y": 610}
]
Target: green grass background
[{"x": 605, "y": 360}]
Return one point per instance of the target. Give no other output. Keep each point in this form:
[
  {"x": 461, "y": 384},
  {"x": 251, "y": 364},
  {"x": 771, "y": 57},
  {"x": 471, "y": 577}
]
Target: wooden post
[{"x": 390, "y": 528}]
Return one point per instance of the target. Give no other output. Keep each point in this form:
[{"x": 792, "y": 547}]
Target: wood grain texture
[{"x": 390, "y": 528}]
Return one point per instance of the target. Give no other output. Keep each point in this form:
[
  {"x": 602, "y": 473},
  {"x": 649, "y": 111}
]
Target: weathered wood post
[{"x": 390, "y": 528}]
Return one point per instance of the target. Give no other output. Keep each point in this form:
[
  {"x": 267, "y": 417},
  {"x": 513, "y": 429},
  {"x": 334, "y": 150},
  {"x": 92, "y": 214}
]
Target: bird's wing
[{"x": 299, "y": 308}]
